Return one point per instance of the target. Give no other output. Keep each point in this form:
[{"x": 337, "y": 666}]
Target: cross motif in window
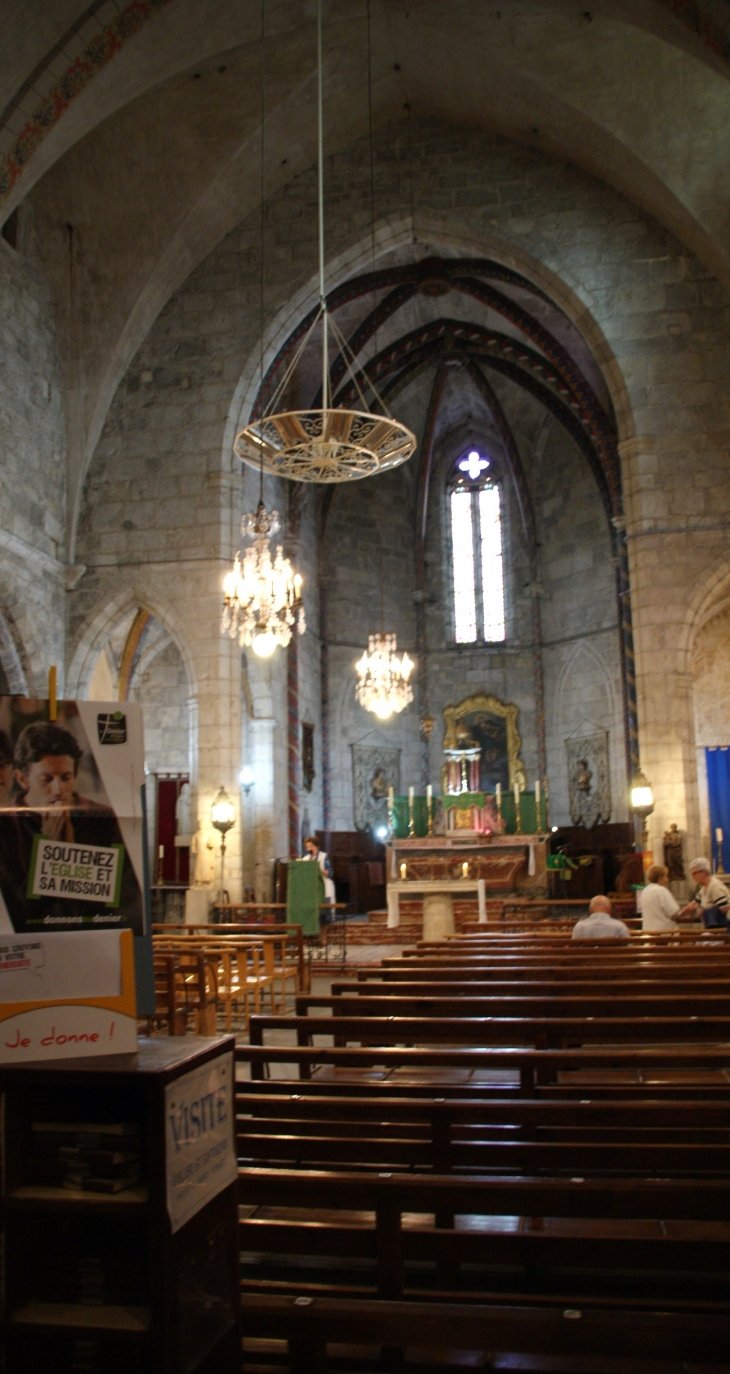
[{"x": 474, "y": 465}]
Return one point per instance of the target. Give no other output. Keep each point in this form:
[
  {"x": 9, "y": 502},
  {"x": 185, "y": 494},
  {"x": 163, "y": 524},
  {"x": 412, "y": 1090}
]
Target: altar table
[{"x": 432, "y": 887}]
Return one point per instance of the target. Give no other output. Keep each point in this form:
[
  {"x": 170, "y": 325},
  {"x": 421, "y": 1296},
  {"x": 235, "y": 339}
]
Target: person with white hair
[
  {"x": 711, "y": 900},
  {"x": 658, "y": 906},
  {"x": 599, "y": 924}
]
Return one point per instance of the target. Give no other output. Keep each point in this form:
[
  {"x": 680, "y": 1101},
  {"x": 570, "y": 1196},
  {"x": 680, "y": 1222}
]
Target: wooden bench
[
  {"x": 506, "y": 1154},
  {"x": 497, "y": 1030},
  {"x": 337, "y": 1256},
  {"x": 527, "y": 1005},
  {"x": 531, "y": 1070}
]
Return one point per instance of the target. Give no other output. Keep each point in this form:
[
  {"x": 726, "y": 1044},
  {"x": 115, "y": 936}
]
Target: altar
[
  {"x": 485, "y": 833},
  {"x": 451, "y": 867}
]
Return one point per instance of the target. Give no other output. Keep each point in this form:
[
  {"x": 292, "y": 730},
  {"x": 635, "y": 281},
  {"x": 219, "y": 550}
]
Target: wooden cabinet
[{"x": 97, "y": 1280}]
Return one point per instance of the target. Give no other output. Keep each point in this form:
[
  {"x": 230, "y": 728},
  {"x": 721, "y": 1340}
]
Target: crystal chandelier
[
  {"x": 327, "y": 445},
  {"x": 383, "y": 686},
  {"x": 262, "y": 596}
]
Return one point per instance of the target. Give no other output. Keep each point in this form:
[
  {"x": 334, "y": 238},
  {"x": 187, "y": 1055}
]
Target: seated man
[
  {"x": 712, "y": 899},
  {"x": 599, "y": 924}
]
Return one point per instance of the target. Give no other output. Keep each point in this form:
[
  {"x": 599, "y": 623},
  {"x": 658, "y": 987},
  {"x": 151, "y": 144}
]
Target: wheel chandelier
[{"x": 328, "y": 444}]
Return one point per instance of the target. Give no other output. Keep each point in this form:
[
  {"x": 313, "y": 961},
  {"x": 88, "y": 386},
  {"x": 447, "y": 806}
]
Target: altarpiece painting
[{"x": 493, "y": 725}]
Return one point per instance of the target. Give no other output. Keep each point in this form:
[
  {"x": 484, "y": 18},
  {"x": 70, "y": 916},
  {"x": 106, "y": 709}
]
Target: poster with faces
[{"x": 71, "y": 824}]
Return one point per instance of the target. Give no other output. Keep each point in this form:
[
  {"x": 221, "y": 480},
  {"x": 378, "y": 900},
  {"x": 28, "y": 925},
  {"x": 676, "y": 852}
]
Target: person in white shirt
[
  {"x": 599, "y": 924},
  {"x": 658, "y": 906},
  {"x": 712, "y": 898}
]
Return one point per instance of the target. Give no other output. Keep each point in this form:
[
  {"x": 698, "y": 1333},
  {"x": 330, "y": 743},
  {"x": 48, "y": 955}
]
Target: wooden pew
[
  {"x": 400, "y": 1249},
  {"x": 497, "y": 1030},
  {"x": 526, "y": 1005},
  {"x": 413, "y": 1197}
]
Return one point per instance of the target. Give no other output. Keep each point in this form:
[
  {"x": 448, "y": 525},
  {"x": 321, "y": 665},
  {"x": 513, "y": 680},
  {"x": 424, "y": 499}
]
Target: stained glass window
[{"x": 476, "y": 543}]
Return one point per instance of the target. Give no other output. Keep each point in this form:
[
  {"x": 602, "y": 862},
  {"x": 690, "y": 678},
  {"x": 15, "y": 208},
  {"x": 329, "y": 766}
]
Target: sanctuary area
[{"x": 364, "y": 662}]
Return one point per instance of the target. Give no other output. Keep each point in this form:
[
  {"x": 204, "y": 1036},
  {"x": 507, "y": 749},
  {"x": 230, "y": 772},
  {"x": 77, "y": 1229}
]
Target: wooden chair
[
  {"x": 170, "y": 1008},
  {"x": 201, "y": 990},
  {"x": 283, "y": 971}
]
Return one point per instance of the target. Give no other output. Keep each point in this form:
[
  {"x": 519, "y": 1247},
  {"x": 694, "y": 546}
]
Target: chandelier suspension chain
[{"x": 326, "y": 444}]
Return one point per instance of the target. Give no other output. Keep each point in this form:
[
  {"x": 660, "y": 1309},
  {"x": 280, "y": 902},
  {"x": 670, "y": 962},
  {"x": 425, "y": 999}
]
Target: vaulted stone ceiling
[{"x": 133, "y": 128}]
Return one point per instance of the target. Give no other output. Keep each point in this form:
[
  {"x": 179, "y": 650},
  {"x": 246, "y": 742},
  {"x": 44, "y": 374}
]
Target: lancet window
[{"x": 475, "y": 510}]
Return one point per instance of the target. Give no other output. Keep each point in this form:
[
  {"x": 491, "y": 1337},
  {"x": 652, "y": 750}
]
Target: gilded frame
[{"x": 480, "y": 702}]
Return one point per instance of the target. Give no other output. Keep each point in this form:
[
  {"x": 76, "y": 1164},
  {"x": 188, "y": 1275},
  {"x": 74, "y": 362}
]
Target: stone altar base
[{"x": 438, "y": 916}]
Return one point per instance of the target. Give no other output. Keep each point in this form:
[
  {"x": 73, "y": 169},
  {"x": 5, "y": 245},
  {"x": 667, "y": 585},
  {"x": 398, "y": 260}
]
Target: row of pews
[{"x": 503, "y": 1151}]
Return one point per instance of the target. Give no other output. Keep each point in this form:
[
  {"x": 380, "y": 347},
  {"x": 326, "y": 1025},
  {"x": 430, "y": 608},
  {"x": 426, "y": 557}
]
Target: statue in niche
[
  {"x": 583, "y": 776},
  {"x": 378, "y": 785},
  {"x": 589, "y": 785},
  {"x": 673, "y": 854},
  {"x": 182, "y": 812}
]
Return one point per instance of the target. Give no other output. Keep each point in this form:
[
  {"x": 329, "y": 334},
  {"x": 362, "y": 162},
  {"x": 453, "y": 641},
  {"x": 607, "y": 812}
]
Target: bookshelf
[{"x": 95, "y": 1278}]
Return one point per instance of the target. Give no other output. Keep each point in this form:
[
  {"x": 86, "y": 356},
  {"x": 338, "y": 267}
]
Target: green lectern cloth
[{"x": 304, "y": 894}]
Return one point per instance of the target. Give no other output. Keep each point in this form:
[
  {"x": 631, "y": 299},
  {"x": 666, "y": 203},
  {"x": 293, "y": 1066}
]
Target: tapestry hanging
[
  {"x": 374, "y": 770},
  {"x": 589, "y": 779}
]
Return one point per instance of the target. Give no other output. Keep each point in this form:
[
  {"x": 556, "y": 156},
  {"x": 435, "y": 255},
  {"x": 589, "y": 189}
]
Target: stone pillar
[
  {"x": 262, "y": 759},
  {"x": 218, "y": 726},
  {"x": 292, "y": 744},
  {"x": 438, "y": 916},
  {"x": 663, "y": 687}
]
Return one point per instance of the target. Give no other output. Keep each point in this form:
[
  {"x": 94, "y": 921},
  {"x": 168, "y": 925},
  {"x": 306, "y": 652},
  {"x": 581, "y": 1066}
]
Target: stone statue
[
  {"x": 182, "y": 810},
  {"x": 673, "y": 856},
  {"x": 202, "y": 850},
  {"x": 583, "y": 776},
  {"x": 378, "y": 785}
]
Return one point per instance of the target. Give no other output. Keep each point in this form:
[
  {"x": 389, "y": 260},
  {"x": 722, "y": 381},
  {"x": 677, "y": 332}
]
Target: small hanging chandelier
[
  {"x": 383, "y": 686},
  {"x": 262, "y": 596},
  {"x": 327, "y": 445}
]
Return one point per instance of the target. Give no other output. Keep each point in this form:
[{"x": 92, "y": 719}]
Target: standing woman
[
  {"x": 313, "y": 851},
  {"x": 712, "y": 898},
  {"x": 658, "y": 906}
]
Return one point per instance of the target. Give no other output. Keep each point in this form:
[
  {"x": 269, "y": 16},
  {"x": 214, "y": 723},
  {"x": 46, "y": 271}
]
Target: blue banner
[{"x": 718, "y": 782}]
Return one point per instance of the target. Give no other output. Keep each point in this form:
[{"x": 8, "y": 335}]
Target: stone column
[
  {"x": 219, "y": 724},
  {"x": 262, "y": 760},
  {"x": 664, "y": 689}
]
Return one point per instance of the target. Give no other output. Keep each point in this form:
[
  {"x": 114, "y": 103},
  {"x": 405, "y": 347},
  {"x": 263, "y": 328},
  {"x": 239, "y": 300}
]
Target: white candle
[
  {"x": 410, "y": 795},
  {"x": 161, "y": 852},
  {"x": 516, "y": 790},
  {"x": 403, "y": 872},
  {"x": 537, "y": 797},
  {"x": 718, "y": 835},
  {"x": 429, "y": 792},
  {"x": 499, "y": 794},
  {"x": 465, "y": 870},
  {"x": 391, "y": 797}
]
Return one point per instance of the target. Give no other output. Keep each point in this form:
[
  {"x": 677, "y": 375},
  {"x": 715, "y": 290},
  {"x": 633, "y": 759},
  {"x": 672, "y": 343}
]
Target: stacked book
[{"x": 88, "y": 1155}]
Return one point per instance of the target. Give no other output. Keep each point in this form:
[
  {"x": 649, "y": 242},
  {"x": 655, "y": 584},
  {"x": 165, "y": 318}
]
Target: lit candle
[
  {"x": 465, "y": 870},
  {"x": 403, "y": 873}
]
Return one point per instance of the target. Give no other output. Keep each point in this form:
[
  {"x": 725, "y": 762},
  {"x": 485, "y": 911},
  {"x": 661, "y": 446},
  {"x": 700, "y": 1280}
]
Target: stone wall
[
  {"x": 163, "y": 497},
  {"x": 32, "y": 476}
]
